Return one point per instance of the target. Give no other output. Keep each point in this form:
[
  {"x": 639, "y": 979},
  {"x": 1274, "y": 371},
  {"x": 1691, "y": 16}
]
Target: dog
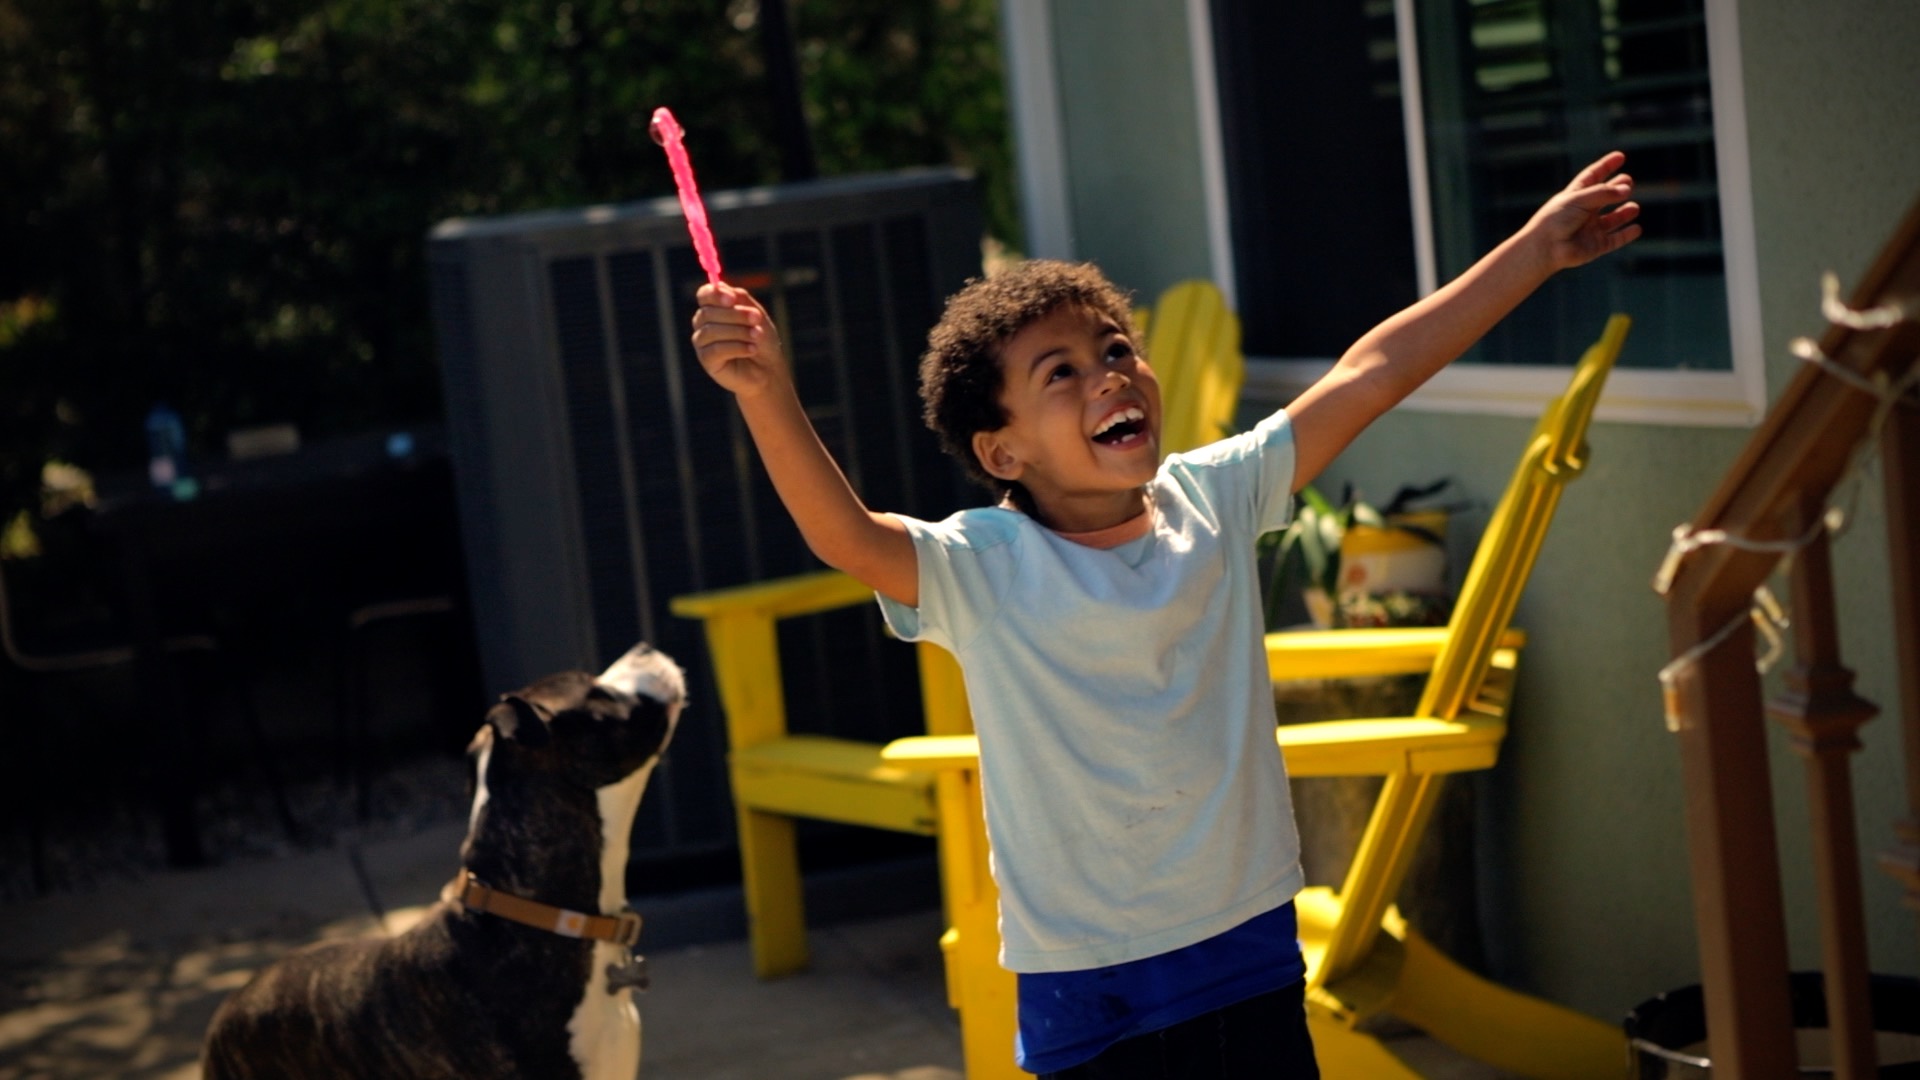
[{"x": 520, "y": 969}]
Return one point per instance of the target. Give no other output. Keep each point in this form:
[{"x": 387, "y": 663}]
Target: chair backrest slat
[
  {"x": 1555, "y": 454},
  {"x": 1193, "y": 344}
]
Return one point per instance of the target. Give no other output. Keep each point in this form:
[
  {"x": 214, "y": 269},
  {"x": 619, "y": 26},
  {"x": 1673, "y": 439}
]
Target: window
[
  {"x": 1316, "y": 167},
  {"x": 1349, "y": 196}
]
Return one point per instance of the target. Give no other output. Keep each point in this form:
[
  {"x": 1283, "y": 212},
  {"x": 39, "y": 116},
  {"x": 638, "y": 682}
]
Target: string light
[
  {"x": 1838, "y": 313},
  {"x": 1765, "y": 612}
]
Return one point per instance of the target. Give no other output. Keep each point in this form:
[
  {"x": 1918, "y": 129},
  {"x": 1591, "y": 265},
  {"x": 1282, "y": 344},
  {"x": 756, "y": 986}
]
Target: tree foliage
[{"x": 222, "y": 203}]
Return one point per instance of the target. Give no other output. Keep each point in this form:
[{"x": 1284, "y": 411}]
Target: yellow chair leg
[
  {"x": 1346, "y": 1054},
  {"x": 981, "y": 990},
  {"x": 986, "y": 1001},
  {"x": 1504, "y": 1028},
  {"x": 1379, "y": 866},
  {"x": 776, "y": 916}
]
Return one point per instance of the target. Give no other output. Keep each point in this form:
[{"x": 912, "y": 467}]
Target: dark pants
[{"x": 1261, "y": 1038}]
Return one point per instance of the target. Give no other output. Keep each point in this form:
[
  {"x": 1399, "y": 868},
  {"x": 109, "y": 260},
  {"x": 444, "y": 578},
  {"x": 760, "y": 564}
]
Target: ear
[
  {"x": 518, "y": 720},
  {"x": 991, "y": 450},
  {"x": 476, "y": 752}
]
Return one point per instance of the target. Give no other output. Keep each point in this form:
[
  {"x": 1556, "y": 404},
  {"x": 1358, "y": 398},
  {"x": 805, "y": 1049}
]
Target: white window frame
[
  {"x": 1736, "y": 398},
  {"x": 1039, "y": 140}
]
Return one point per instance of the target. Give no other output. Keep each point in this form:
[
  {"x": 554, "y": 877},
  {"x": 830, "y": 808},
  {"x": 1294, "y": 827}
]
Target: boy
[{"x": 1107, "y": 619}]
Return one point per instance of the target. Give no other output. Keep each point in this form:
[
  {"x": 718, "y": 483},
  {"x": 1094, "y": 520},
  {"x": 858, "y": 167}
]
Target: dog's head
[{"x": 591, "y": 731}]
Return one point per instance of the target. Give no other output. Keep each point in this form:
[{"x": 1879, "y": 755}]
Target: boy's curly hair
[{"x": 960, "y": 376}]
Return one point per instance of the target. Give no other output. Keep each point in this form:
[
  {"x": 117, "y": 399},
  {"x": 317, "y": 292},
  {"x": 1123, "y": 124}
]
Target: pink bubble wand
[{"x": 666, "y": 131}]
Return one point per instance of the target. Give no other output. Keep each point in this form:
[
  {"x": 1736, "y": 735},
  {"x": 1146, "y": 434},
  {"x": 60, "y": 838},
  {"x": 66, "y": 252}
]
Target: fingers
[
  {"x": 1597, "y": 172},
  {"x": 726, "y": 306},
  {"x": 1618, "y": 227},
  {"x": 1592, "y": 197},
  {"x": 727, "y": 333},
  {"x": 1620, "y": 216},
  {"x": 1614, "y": 241},
  {"x": 719, "y": 333},
  {"x": 724, "y": 295},
  {"x": 731, "y": 338}
]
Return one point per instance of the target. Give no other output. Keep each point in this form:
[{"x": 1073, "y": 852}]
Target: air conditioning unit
[{"x": 600, "y": 472}]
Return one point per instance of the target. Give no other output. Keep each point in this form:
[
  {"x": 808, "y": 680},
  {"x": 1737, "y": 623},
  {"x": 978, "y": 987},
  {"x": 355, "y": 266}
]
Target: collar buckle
[{"x": 627, "y": 928}]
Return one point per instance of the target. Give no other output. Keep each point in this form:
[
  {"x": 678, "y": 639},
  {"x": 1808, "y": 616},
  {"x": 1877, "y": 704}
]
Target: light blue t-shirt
[{"x": 1135, "y": 799}]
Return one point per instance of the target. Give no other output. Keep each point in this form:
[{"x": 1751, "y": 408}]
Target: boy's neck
[{"x": 1089, "y": 513}]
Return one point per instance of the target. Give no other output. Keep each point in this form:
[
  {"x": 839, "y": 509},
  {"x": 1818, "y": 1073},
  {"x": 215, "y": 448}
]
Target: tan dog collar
[{"x": 623, "y": 929}]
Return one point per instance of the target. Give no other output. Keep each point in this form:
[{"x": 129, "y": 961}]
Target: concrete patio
[{"x": 119, "y": 980}]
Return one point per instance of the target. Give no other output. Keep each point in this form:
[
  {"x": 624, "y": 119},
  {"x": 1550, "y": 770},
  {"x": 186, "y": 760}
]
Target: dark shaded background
[{"x": 221, "y": 204}]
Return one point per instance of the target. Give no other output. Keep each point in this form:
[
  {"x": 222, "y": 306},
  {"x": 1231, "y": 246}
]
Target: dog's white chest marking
[{"x": 605, "y": 1029}]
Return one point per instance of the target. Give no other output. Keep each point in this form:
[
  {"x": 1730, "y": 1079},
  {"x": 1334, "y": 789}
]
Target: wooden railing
[{"x": 1774, "y": 504}]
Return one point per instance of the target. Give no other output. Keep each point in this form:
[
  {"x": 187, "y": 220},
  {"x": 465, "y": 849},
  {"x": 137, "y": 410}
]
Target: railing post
[
  {"x": 1766, "y": 506},
  {"x": 1823, "y": 716},
  {"x": 1900, "y": 465},
  {"x": 1735, "y": 865}
]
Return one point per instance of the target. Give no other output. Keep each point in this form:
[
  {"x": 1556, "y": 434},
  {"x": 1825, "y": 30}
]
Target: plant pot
[{"x": 1409, "y": 555}]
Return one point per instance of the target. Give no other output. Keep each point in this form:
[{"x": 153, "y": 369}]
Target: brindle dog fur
[{"x": 559, "y": 770}]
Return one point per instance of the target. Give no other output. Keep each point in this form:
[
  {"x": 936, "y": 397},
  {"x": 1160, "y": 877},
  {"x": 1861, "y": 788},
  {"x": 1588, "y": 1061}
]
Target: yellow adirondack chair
[
  {"x": 779, "y": 776},
  {"x": 1362, "y": 957},
  {"x": 1193, "y": 344}
]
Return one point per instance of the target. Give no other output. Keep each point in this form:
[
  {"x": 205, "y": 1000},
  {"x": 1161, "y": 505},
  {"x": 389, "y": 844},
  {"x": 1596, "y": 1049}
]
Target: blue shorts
[{"x": 1068, "y": 1018}]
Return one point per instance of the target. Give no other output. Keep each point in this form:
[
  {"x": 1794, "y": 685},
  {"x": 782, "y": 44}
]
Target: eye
[
  {"x": 1119, "y": 349},
  {"x": 1059, "y": 371}
]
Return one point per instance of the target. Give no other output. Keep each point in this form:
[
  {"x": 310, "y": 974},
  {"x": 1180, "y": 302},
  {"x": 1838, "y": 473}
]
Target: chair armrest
[
  {"x": 933, "y": 753},
  {"x": 1346, "y": 654},
  {"x": 1381, "y": 747},
  {"x": 1325, "y": 748},
  {"x": 802, "y": 594},
  {"x": 744, "y": 647}
]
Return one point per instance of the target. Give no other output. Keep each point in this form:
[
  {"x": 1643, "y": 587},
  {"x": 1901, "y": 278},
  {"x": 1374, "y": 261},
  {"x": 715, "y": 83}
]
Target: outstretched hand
[
  {"x": 736, "y": 341},
  {"x": 1577, "y": 223}
]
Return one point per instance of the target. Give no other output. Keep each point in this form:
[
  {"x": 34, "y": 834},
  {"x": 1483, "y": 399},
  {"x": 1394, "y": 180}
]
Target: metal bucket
[{"x": 1668, "y": 1034}]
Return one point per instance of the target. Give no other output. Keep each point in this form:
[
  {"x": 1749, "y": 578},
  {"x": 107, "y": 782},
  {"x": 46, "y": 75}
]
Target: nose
[{"x": 1106, "y": 385}]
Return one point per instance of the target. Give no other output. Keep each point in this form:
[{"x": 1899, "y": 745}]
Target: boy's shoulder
[
  {"x": 1273, "y": 434},
  {"x": 973, "y": 527},
  {"x": 1243, "y": 481}
]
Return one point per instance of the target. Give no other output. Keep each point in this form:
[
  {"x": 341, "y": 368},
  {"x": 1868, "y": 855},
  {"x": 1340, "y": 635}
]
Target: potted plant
[{"x": 1355, "y": 564}]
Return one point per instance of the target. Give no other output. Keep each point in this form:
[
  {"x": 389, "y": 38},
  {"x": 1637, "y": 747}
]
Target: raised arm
[
  {"x": 1390, "y": 361},
  {"x": 739, "y": 346}
]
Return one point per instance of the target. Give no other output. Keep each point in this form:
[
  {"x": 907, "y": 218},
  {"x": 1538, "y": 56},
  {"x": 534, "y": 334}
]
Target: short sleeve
[
  {"x": 1252, "y": 470},
  {"x": 966, "y": 565}
]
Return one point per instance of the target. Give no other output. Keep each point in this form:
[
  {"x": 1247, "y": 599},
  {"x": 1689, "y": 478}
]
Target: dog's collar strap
[{"x": 623, "y": 929}]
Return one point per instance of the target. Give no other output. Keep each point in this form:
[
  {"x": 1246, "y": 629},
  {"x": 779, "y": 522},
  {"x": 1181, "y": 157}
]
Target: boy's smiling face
[{"x": 1084, "y": 430}]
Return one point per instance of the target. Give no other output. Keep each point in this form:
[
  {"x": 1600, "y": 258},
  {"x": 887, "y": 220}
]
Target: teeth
[{"x": 1120, "y": 417}]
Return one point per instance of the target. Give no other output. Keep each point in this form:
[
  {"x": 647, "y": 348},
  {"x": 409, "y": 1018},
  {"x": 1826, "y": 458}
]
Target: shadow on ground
[
  {"x": 121, "y": 980},
  {"x": 126, "y": 1008}
]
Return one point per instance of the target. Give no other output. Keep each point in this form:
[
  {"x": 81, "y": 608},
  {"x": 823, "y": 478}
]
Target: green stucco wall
[{"x": 1581, "y": 844}]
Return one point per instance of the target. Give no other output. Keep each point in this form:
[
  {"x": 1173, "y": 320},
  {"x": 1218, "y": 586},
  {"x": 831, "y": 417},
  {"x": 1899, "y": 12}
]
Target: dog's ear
[{"x": 519, "y": 720}]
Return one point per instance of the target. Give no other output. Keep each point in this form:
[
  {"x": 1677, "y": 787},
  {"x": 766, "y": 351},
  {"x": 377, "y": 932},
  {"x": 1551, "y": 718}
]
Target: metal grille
[{"x": 602, "y": 473}]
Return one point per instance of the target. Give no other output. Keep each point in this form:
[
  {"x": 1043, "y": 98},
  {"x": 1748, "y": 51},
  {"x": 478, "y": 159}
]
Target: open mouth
[{"x": 1121, "y": 427}]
